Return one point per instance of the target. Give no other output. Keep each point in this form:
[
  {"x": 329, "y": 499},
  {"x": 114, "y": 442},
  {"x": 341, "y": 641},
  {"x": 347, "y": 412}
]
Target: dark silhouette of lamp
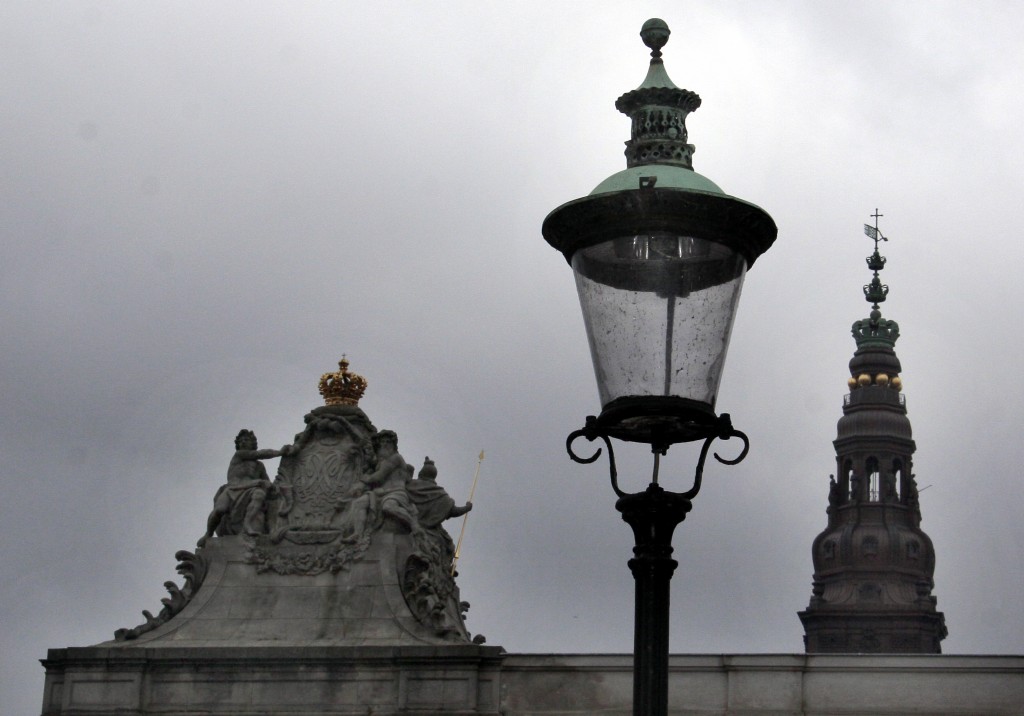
[{"x": 659, "y": 254}]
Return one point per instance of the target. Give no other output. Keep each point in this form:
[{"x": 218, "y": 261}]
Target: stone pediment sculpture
[{"x": 344, "y": 544}]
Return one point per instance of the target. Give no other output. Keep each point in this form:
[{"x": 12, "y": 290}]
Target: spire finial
[
  {"x": 655, "y": 34},
  {"x": 875, "y": 292},
  {"x": 875, "y": 330},
  {"x": 873, "y": 232}
]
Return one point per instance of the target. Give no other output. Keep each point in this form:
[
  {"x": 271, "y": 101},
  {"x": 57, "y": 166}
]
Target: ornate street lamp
[{"x": 659, "y": 253}]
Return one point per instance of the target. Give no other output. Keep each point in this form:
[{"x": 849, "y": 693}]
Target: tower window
[{"x": 873, "y": 479}]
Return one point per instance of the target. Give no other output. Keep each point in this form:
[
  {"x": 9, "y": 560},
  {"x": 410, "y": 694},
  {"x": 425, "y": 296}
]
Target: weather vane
[
  {"x": 872, "y": 232},
  {"x": 875, "y": 292}
]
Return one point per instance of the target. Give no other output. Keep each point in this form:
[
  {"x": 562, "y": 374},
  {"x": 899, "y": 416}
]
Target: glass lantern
[{"x": 658, "y": 310}]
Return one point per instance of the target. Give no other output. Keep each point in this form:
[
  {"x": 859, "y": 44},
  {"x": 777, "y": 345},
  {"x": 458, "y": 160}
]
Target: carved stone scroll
[{"x": 190, "y": 566}]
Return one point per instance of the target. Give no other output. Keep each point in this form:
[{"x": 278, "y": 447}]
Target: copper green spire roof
[{"x": 875, "y": 331}]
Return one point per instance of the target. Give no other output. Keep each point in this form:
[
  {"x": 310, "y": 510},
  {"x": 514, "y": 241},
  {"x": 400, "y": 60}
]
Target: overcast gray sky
[{"x": 206, "y": 204}]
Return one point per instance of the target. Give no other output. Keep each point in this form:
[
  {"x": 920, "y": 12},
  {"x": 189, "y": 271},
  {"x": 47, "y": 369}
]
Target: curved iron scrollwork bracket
[
  {"x": 721, "y": 430},
  {"x": 592, "y": 432}
]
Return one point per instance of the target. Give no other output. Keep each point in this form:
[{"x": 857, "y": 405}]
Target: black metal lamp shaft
[{"x": 653, "y": 515}]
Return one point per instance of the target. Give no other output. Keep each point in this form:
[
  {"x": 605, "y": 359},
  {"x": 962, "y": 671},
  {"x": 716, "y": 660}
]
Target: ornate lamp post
[{"x": 659, "y": 253}]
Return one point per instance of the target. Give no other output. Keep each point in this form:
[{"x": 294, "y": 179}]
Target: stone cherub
[
  {"x": 239, "y": 505},
  {"x": 388, "y": 481}
]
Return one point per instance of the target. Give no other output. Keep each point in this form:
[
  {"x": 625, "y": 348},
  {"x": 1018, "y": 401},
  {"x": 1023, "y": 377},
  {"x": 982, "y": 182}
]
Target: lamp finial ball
[{"x": 655, "y": 34}]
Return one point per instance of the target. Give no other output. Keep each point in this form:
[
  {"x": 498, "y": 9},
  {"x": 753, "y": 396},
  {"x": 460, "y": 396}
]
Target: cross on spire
[{"x": 872, "y": 231}]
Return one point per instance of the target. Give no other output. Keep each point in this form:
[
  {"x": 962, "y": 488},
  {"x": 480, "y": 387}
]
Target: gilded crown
[{"x": 342, "y": 387}]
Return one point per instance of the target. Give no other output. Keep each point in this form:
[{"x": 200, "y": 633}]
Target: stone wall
[
  {"x": 770, "y": 685},
  {"x": 455, "y": 679},
  {"x": 473, "y": 679}
]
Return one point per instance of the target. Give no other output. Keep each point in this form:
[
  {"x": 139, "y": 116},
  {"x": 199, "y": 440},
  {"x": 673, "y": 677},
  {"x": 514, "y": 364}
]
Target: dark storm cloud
[{"x": 205, "y": 205}]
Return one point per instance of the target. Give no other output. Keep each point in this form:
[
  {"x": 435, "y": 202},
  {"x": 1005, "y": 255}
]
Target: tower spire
[{"x": 873, "y": 564}]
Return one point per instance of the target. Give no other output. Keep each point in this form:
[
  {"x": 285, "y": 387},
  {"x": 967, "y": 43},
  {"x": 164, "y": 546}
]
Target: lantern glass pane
[{"x": 659, "y": 311}]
